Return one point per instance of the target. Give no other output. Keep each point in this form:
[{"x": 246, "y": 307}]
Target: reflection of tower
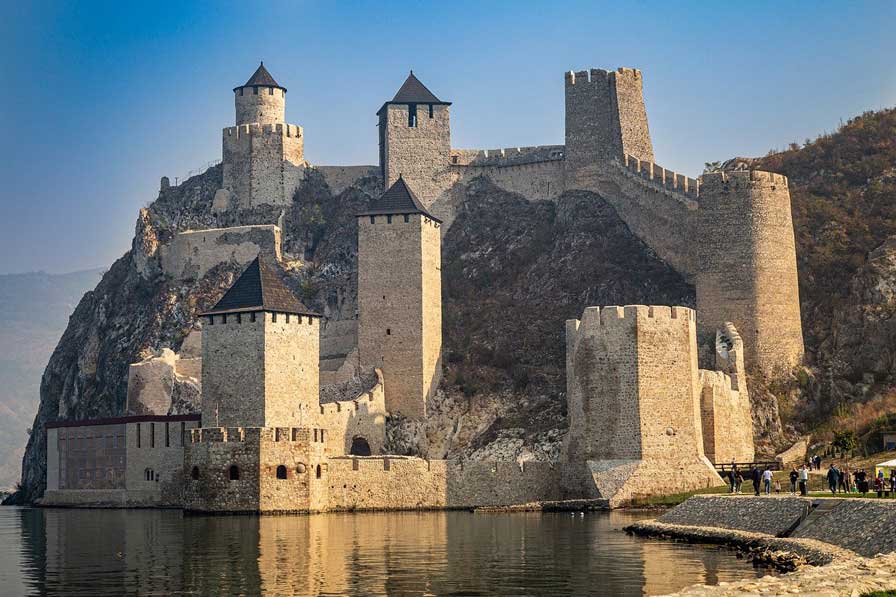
[
  {"x": 263, "y": 156},
  {"x": 400, "y": 297}
]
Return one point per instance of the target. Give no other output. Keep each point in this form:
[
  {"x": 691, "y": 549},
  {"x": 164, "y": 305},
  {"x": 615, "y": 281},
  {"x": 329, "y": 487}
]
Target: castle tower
[
  {"x": 605, "y": 118},
  {"x": 633, "y": 394},
  {"x": 400, "y": 297},
  {"x": 260, "y": 355},
  {"x": 746, "y": 267},
  {"x": 263, "y": 156},
  {"x": 415, "y": 138}
]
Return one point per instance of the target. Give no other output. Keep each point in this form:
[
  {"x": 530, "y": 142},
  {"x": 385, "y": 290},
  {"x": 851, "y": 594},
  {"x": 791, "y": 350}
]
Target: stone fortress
[{"x": 656, "y": 394}]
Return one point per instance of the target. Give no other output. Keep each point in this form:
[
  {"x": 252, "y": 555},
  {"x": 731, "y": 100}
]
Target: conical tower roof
[
  {"x": 398, "y": 199},
  {"x": 260, "y": 288},
  {"x": 261, "y": 78},
  {"x": 412, "y": 91}
]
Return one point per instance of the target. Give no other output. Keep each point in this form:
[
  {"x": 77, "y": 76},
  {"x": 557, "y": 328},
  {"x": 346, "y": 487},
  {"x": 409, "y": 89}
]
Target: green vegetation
[
  {"x": 677, "y": 498},
  {"x": 880, "y": 594}
]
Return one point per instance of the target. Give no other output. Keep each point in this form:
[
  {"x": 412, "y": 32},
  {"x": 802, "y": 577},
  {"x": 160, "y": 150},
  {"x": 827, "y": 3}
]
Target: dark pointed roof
[
  {"x": 412, "y": 91},
  {"x": 261, "y": 78},
  {"x": 399, "y": 199},
  {"x": 260, "y": 288}
]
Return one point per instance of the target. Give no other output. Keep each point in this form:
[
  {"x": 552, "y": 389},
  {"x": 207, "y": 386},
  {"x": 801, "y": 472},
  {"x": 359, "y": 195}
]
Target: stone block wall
[
  {"x": 399, "y": 302},
  {"x": 407, "y": 483},
  {"x": 362, "y": 417},
  {"x": 746, "y": 266},
  {"x": 726, "y": 418},
  {"x": 193, "y": 253},
  {"x": 155, "y": 456}
]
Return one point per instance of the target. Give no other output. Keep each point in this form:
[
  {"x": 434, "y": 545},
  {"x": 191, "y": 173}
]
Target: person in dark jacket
[
  {"x": 833, "y": 477},
  {"x": 794, "y": 476},
  {"x": 756, "y": 475}
]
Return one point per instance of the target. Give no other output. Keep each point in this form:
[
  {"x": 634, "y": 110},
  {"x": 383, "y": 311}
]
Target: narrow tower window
[
  {"x": 234, "y": 473},
  {"x": 412, "y": 115},
  {"x": 281, "y": 472}
]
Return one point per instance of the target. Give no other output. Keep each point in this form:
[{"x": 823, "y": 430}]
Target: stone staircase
[{"x": 820, "y": 510}]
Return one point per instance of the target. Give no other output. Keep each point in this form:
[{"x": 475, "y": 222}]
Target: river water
[{"x": 161, "y": 552}]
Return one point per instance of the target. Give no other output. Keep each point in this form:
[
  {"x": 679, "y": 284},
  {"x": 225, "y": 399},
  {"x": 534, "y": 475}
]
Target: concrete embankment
[
  {"x": 863, "y": 526},
  {"x": 840, "y": 535}
]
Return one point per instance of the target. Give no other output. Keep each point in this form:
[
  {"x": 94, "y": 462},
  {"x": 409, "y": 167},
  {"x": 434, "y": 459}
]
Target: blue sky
[{"x": 102, "y": 99}]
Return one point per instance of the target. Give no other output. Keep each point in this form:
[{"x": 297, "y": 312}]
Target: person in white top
[
  {"x": 767, "y": 480},
  {"x": 804, "y": 480}
]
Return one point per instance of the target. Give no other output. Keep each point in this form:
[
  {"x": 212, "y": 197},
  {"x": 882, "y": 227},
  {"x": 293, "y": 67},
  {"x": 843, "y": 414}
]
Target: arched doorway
[{"x": 360, "y": 447}]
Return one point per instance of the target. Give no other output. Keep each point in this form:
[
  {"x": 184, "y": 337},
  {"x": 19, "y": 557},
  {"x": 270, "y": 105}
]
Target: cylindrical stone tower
[
  {"x": 746, "y": 267},
  {"x": 261, "y": 100}
]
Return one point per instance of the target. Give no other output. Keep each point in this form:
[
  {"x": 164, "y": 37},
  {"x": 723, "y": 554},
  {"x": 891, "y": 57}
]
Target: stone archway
[{"x": 360, "y": 447}]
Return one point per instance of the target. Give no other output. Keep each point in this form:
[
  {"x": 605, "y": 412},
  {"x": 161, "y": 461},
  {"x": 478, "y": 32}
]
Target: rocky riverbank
[{"x": 844, "y": 577}]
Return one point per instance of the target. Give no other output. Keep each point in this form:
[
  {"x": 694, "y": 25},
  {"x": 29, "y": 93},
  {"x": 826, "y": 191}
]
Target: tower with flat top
[{"x": 263, "y": 156}]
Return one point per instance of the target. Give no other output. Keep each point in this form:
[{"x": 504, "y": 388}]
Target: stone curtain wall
[
  {"x": 746, "y": 266},
  {"x": 727, "y": 423},
  {"x": 192, "y": 254},
  {"x": 401, "y": 482},
  {"x": 259, "y": 105},
  {"x": 417, "y": 153},
  {"x": 399, "y": 304},
  {"x": 164, "y": 459},
  {"x": 365, "y": 416}
]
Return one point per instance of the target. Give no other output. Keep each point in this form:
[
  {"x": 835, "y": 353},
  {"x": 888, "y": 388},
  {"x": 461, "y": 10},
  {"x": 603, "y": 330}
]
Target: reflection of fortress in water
[{"x": 161, "y": 552}]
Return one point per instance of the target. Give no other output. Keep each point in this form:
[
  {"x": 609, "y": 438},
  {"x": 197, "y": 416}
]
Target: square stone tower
[
  {"x": 415, "y": 138},
  {"x": 260, "y": 355},
  {"x": 605, "y": 118},
  {"x": 633, "y": 394},
  {"x": 400, "y": 298},
  {"x": 263, "y": 156}
]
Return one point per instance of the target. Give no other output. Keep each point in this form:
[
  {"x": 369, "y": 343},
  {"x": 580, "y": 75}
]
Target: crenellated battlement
[
  {"x": 211, "y": 435},
  {"x": 615, "y": 319},
  {"x": 741, "y": 178},
  {"x": 662, "y": 177},
  {"x": 250, "y": 130},
  {"x": 600, "y": 76},
  {"x": 507, "y": 156},
  {"x": 354, "y": 405}
]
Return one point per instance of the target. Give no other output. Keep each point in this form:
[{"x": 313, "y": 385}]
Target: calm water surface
[{"x": 117, "y": 552}]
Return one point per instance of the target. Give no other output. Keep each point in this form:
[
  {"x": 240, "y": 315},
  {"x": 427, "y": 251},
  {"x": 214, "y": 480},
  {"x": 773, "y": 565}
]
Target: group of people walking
[{"x": 839, "y": 480}]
